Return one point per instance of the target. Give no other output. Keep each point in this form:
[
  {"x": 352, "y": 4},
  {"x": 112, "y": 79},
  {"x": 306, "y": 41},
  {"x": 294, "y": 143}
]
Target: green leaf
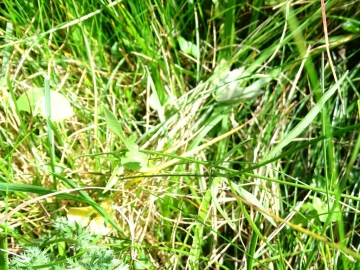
[
  {"x": 28, "y": 100},
  {"x": 115, "y": 50},
  {"x": 10, "y": 187},
  {"x": 135, "y": 161},
  {"x": 322, "y": 208},
  {"x": 188, "y": 47},
  {"x": 33, "y": 101},
  {"x": 306, "y": 215},
  {"x": 230, "y": 85},
  {"x": 352, "y": 26},
  {"x": 114, "y": 125},
  {"x": 154, "y": 102},
  {"x": 113, "y": 178},
  {"x": 131, "y": 145}
]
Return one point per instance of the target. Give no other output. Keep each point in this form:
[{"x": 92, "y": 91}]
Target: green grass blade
[{"x": 306, "y": 121}]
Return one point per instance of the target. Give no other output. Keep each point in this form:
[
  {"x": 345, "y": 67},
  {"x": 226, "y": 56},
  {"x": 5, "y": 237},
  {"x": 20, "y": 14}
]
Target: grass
[{"x": 162, "y": 168}]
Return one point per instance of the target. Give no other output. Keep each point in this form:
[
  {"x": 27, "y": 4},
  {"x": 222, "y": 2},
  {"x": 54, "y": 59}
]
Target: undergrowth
[{"x": 179, "y": 134}]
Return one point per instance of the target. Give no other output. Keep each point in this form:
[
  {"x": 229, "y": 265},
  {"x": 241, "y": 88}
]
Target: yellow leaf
[{"x": 88, "y": 217}]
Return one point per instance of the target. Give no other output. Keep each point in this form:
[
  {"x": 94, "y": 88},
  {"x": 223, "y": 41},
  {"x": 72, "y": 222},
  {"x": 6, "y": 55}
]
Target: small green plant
[
  {"x": 70, "y": 247},
  {"x": 132, "y": 159}
]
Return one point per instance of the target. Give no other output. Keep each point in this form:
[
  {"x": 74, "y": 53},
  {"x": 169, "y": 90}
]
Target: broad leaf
[
  {"x": 322, "y": 209},
  {"x": 131, "y": 145},
  {"x": 33, "y": 101},
  {"x": 114, "y": 178},
  {"x": 188, "y": 47},
  {"x": 135, "y": 161},
  {"x": 114, "y": 125},
  {"x": 87, "y": 216},
  {"x": 230, "y": 85}
]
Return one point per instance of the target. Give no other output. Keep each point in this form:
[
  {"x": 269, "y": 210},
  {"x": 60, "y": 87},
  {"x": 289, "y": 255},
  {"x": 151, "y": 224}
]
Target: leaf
[
  {"x": 154, "y": 103},
  {"x": 322, "y": 209},
  {"x": 115, "y": 50},
  {"x": 33, "y": 101},
  {"x": 188, "y": 47},
  {"x": 135, "y": 161},
  {"x": 230, "y": 86},
  {"x": 352, "y": 26},
  {"x": 309, "y": 215},
  {"x": 87, "y": 216},
  {"x": 114, "y": 125},
  {"x": 113, "y": 178},
  {"x": 131, "y": 145}
]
